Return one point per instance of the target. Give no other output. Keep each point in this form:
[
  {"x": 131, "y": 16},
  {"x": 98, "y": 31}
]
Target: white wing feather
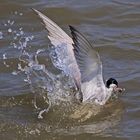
[
  {"x": 88, "y": 73},
  {"x": 61, "y": 40},
  {"x": 90, "y": 66}
]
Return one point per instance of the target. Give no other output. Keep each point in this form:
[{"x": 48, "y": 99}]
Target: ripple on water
[{"x": 114, "y": 27}]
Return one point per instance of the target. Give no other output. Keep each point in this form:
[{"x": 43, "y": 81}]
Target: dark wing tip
[
  {"x": 37, "y": 12},
  {"x": 74, "y": 38},
  {"x": 72, "y": 28},
  {"x": 73, "y": 33},
  {"x": 34, "y": 10}
]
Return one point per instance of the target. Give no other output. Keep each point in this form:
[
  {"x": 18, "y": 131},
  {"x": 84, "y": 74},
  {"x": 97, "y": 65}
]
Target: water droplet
[
  {"x": 12, "y": 22},
  {"x": 15, "y": 37},
  {"x": 26, "y": 80},
  {"x": 6, "y": 64},
  {"x": 20, "y": 28},
  {"x": 21, "y": 32},
  {"x": 15, "y": 12},
  {"x": 27, "y": 39},
  {"x": 9, "y": 30},
  {"x": 39, "y": 51},
  {"x": 21, "y": 14},
  {"x": 4, "y": 56},
  {"x": 8, "y": 21},
  {"x": 19, "y": 67},
  {"x": 14, "y": 45},
  {"x": 14, "y": 73},
  {"x": 1, "y": 35},
  {"x": 17, "y": 34}
]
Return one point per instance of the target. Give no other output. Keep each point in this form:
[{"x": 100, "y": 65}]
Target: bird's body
[{"x": 82, "y": 62}]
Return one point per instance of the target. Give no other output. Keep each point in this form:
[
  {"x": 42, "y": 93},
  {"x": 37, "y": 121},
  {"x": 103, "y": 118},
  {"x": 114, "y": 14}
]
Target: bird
[{"x": 82, "y": 62}]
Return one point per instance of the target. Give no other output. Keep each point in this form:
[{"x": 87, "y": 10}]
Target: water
[{"x": 30, "y": 83}]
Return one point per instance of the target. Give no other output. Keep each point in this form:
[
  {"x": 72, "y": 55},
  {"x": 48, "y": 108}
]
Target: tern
[{"x": 83, "y": 63}]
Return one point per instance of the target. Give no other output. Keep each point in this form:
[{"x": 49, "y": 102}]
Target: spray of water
[{"x": 52, "y": 88}]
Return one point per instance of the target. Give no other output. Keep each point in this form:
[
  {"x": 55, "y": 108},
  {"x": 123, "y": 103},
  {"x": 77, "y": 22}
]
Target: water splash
[
  {"x": 60, "y": 58},
  {"x": 52, "y": 88},
  {"x": 5, "y": 58}
]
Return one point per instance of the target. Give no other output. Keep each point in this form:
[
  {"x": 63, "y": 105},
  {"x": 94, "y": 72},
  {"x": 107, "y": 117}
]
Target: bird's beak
[{"x": 119, "y": 90}]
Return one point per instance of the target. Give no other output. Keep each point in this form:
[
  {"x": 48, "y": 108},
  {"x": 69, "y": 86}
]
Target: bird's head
[{"x": 112, "y": 84}]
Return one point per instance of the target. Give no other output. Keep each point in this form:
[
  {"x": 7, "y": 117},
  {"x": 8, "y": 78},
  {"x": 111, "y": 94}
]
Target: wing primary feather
[
  {"x": 59, "y": 39},
  {"x": 87, "y": 59}
]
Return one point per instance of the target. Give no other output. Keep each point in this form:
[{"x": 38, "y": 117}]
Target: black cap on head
[{"x": 111, "y": 81}]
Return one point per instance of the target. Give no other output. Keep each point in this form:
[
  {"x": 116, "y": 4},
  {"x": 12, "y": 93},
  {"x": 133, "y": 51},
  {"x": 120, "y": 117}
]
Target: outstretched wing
[
  {"x": 63, "y": 45},
  {"x": 56, "y": 35},
  {"x": 89, "y": 64}
]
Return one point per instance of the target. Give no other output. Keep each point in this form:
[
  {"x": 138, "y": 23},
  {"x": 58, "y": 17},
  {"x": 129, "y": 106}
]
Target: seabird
[{"x": 83, "y": 63}]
